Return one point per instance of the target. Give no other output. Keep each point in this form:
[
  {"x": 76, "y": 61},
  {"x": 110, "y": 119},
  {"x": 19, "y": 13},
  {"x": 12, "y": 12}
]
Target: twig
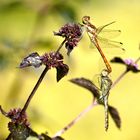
[
  {"x": 67, "y": 127},
  {"x": 123, "y": 74},
  {"x": 137, "y": 60},
  {"x": 119, "y": 78},
  {"x": 61, "y": 45},
  {"x": 3, "y": 112},
  {"x": 34, "y": 89},
  {"x": 39, "y": 81}
]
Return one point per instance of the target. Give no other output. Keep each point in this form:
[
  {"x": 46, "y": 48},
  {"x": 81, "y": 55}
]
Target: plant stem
[
  {"x": 60, "y": 46},
  {"x": 123, "y": 74},
  {"x": 67, "y": 127},
  {"x": 119, "y": 78},
  {"x": 39, "y": 82},
  {"x": 35, "y": 89},
  {"x": 3, "y": 112},
  {"x": 137, "y": 60}
]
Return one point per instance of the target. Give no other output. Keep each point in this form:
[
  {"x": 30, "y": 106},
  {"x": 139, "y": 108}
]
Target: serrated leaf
[
  {"x": 115, "y": 116},
  {"x": 62, "y": 70},
  {"x": 87, "y": 84}
]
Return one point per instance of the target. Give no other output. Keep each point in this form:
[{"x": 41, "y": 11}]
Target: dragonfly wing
[
  {"x": 106, "y": 43},
  {"x": 100, "y": 28},
  {"x": 109, "y": 33}
]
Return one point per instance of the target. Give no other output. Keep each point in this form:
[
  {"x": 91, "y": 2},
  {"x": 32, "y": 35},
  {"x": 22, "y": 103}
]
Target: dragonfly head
[
  {"x": 104, "y": 73},
  {"x": 85, "y": 19}
]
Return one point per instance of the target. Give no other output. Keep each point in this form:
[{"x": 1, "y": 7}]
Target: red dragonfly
[{"x": 94, "y": 35}]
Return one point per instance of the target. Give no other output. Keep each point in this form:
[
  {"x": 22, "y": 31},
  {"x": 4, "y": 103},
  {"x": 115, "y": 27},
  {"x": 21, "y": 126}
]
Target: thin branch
[
  {"x": 34, "y": 89},
  {"x": 67, "y": 127},
  {"x": 119, "y": 78},
  {"x": 61, "y": 45},
  {"x": 123, "y": 74},
  {"x": 138, "y": 59},
  {"x": 3, "y": 112},
  {"x": 39, "y": 81}
]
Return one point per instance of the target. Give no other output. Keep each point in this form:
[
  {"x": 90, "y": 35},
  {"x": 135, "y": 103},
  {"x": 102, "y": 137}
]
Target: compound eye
[
  {"x": 85, "y": 19},
  {"x": 104, "y": 73}
]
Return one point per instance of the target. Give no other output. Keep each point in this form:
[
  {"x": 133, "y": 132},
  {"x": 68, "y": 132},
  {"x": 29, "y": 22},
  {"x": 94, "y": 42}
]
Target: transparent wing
[
  {"x": 109, "y": 33},
  {"x": 100, "y": 28},
  {"x": 107, "y": 43},
  {"x": 114, "y": 47}
]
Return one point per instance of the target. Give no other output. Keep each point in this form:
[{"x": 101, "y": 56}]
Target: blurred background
[{"x": 27, "y": 26}]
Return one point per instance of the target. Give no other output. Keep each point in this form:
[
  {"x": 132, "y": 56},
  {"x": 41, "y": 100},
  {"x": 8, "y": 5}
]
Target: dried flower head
[
  {"x": 130, "y": 64},
  {"x": 17, "y": 117},
  {"x": 55, "y": 60},
  {"x": 19, "y": 125},
  {"x": 72, "y": 33},
  {"x": 50, "y": 60},
  {"x": 18, "y": 131}
]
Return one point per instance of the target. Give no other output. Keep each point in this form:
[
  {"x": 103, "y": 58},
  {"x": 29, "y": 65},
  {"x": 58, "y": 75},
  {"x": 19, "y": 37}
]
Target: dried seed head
[
  {"x": 17, "y": 117},
  {"x": 70, "y": 30},
  {"x": 72, "y": 33},
  {"x": 52, "y": 59},
  {"x": 55, "y": 60}
]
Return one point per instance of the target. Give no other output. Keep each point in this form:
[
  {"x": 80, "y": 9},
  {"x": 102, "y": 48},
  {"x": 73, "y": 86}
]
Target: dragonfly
[
  {"x": 94, "y": 35},
  {"x": 105, "y": 86}
]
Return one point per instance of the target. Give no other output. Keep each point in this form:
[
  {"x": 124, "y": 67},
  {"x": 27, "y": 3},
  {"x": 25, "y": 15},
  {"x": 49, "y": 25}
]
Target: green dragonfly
[{"x": 105, "y": 86}]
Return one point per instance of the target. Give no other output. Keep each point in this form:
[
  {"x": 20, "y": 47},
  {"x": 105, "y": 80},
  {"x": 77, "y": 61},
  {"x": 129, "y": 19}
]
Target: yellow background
[{"x": 56, "y": 104}]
